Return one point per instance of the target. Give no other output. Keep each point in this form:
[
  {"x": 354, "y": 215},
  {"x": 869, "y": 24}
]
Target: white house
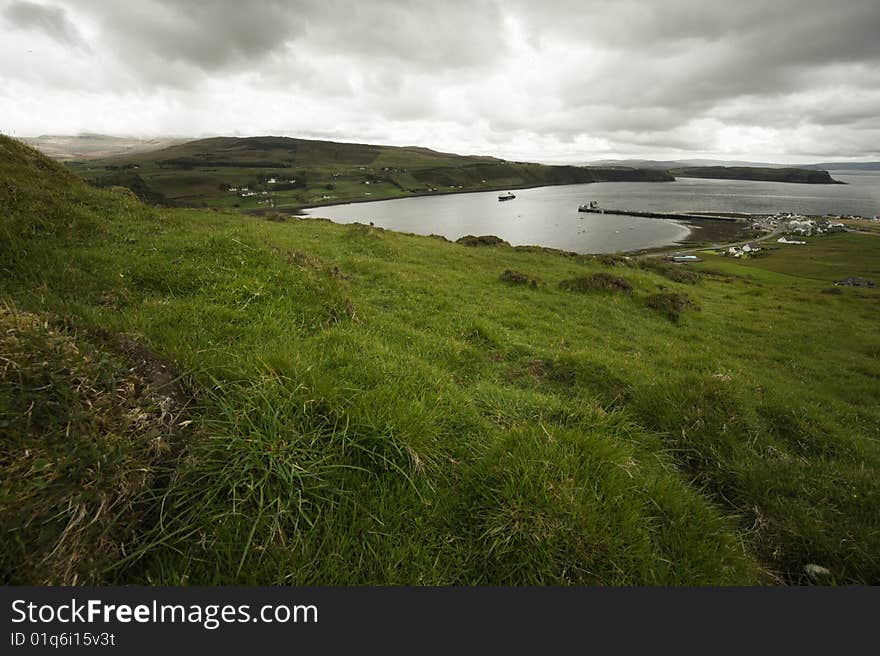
[{"x": 800, "y": 227}]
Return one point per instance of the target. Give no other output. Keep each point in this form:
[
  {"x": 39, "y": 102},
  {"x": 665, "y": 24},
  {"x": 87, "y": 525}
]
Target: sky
[{"x": 789, "y": 81}]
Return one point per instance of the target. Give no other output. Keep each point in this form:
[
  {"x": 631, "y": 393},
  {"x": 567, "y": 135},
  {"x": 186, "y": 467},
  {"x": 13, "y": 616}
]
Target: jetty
[{"x": 682, "y": 216}]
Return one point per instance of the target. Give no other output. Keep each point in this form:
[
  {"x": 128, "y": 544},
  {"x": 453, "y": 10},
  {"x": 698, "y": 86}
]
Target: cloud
[
  {"x": 210, "y": 37},
  {"x": 513, "y": 78},
  {"x": 52, "y": 21}
]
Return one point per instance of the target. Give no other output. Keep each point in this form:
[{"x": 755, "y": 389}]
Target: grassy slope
[
  {"x": 825, "y": 259},
  {"x": 326, "y": 171},
  {"x": 373, "y": 407}
]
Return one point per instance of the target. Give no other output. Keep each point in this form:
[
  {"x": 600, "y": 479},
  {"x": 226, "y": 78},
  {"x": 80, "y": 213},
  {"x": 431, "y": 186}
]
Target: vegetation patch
[
  {"x": 518, "y": 278},
  {"x": 611, "y": 260},
  {"x": 670, "y": 304},
  {"x": 597, "y": 282},
  {"x": 672, "y": 272},
  {"x": 483, "y": 240}
]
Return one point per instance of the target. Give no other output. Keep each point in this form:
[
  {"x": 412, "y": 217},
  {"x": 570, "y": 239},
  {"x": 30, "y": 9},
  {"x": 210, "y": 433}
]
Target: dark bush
[
  {"x": 597, "y": 282},
  {"x": 483, "y": 240},
  {"x": 517, "y": 278},
  {"x": 670, "y": 304}
]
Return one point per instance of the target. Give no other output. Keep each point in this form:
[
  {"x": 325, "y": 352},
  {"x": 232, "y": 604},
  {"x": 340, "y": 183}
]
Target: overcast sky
[{"x": 784, "y": 81}]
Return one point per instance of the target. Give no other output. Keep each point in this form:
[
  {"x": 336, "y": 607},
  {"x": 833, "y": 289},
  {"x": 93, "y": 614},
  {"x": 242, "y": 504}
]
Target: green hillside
[
  {"x": 306, "y": 172},
  {"x": 196, "y": 396}
]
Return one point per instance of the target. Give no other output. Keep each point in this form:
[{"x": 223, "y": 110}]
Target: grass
[
  {"x": 85, "y": 436},
  {"x": 828, "y": 258},
  {"x": 368, "y": 407}
]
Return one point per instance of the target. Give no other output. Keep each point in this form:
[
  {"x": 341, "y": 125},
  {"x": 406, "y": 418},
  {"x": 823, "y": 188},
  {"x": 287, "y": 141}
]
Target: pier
[{"x": 682, "y": 216}]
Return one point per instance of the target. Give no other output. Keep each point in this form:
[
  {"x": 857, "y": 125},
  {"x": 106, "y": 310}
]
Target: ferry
[
  {"x": 592, "y": 206},
  {"x": 507, "y": 196}
]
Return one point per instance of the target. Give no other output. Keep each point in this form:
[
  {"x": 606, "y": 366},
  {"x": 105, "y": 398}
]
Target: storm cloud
[
  {"x": 49, "y": 20},
  {"x": 792, "y": 80}
]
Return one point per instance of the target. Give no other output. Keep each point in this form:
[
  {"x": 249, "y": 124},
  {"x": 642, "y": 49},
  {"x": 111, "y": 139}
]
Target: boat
[
  {"x": 592, "y": 206},
  {"x": 507, "y": 196}
]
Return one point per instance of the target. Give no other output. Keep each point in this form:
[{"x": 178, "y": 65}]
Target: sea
[{"x": 548, "y": 216}]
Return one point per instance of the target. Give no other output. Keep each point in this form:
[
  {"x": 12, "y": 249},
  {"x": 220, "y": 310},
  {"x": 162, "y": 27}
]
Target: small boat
[
  {"x": 507, "y": 196},
  {"x": 592, "y": 206}
]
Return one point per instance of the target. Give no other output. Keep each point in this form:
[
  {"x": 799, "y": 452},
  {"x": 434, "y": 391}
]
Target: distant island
[
  {"x": 702, "y": 163},
  {"x": 802, "y": 176}
]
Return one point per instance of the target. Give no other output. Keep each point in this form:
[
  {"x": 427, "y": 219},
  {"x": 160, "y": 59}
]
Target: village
[
  {"x": 797, "y": 224},
  {"x": 790, "y": 225}
]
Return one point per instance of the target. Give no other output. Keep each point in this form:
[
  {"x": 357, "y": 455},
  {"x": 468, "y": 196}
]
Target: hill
[
  {"x": 299, "y": 172},
  {"x": 197, "y": 396}
]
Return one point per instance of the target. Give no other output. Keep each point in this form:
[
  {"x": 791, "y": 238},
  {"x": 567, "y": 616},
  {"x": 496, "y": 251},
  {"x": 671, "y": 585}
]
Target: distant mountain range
[
  {"x": 100, "y": 146},
  {"x": 687, "y": 163},
  {"x": 95, "y": 146}
]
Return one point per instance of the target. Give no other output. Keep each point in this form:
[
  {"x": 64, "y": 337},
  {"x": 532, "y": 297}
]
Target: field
[
  {"x": 825, "y": 259},
  {"x": 196, "y": 396}
]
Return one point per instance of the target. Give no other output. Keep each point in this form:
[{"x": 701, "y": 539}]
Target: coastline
[
  {"x": 296, "y": 210},
  {"x": 694, "y": 229}
]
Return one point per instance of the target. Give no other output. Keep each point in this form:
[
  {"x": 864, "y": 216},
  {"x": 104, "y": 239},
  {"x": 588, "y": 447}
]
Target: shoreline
[
  {"x": 692, "y": 227},
  {"x": 296, "y": 210}
]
